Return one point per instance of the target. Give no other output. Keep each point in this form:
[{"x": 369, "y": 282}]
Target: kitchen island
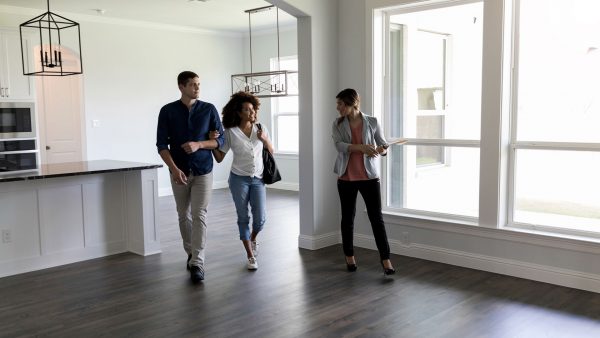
[{"x": 68, "y": 212}]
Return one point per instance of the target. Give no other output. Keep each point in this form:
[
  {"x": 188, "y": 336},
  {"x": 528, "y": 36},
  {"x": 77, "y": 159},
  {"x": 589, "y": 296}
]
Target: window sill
[
  {"x": 431, "y": 217},
  {"x": 566, "y": 233},
  {"x": 286, "y": 155},
  {"x": 506, "y": 233}
]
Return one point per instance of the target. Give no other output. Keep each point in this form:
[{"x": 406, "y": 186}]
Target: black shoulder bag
[{"x": 270, "y": 171}]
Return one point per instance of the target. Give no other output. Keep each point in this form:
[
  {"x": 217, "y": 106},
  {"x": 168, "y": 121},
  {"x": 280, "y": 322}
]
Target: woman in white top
[{"x": 245, "y": 180}]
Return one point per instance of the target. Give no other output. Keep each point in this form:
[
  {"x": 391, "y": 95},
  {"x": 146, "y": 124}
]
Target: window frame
[
  {"x": 275, "y": 113},
  {"x": 386, "y": 116},
  {"x": 497, "y": 143},
  {"x": 515, "y": 145},
  {"x": 446, "y": 40}
]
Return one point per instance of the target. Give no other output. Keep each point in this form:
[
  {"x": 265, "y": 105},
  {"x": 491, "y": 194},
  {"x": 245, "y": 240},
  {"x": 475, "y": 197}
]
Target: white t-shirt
[{"x": 247, "y": 151}]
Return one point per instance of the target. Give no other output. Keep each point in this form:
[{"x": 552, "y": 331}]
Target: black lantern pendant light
[{"x": 58, "y": 52}]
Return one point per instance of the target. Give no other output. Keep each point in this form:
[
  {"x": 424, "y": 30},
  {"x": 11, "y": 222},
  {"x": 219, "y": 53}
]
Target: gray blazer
[{"x": 342, "y": 139}]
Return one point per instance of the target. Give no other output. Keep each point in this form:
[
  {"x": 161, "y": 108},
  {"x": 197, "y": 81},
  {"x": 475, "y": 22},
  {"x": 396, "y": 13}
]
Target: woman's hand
[
  {"x": 369, "y": 150},
  {"x": 265, "y": 140},
  {"x": 261, "y": 136},
  {"x": 382, "y": 150},
  {"x": 213, "y": 134}
]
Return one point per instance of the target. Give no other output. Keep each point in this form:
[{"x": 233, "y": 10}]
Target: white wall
[
  {"x": 127, "y": 98},
  {"x": 130, "y": 71}
]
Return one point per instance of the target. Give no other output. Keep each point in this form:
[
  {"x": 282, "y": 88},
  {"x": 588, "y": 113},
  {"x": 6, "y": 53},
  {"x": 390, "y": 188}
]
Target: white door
[{"x": 60, "y": 112}]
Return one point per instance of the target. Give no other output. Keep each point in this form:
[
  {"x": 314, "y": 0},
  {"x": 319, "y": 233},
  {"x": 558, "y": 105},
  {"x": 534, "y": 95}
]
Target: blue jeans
[{"x": 248, "y": 190}]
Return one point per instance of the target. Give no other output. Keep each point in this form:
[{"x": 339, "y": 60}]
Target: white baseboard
[
  {"x": 285, "y": 186},
  {"x": 167, "y": 191},
  {"x": 541, "y": 273},
  {"x": 17, "y": 266},
  {"x": 320, "y": 241}
]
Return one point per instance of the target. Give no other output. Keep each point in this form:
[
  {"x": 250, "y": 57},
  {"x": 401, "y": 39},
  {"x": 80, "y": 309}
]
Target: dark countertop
[{"x": 74, "y": 169}]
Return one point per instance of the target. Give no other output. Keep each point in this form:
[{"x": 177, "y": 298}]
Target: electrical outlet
[
  {"x": 6, "y": 236},
  {"x": 405, "y": 238}
]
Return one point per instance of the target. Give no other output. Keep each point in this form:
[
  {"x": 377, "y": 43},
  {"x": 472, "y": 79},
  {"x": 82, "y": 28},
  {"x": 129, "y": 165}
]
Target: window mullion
[{"x": 494, "y": 115}]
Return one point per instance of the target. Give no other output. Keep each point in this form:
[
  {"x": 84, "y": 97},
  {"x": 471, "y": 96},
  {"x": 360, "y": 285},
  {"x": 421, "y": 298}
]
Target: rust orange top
[{"x": 356, "y": 165}]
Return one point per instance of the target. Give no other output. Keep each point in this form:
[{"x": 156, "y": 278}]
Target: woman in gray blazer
[{"x": 359, "y": 141}]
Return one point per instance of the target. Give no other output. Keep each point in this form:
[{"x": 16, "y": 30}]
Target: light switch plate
[{"x": 6, "y": 236}]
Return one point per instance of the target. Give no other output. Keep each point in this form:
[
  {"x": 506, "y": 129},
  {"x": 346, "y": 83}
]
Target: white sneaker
[
  {"x": 254, "y": 245},
  {"x": 252, "y": 263}
]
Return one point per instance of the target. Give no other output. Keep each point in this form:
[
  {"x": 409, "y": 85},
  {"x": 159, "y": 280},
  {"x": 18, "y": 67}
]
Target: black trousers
[{"x": 371, "y": 193}]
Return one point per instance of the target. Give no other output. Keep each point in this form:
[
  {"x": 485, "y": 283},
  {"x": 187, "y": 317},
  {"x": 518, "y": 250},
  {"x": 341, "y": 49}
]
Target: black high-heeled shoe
[
  {"x": 351, "y": 267},
  {"x": 387, "y": 271}
]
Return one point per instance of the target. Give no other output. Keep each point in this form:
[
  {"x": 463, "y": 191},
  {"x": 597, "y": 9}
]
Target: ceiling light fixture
[
  {"x": 59, "y": 47},
  {"x": 263, "y": 84}
]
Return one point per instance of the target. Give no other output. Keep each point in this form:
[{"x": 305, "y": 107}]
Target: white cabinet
[
  {"x": 61, "y": 220},
  {"x": 13, "y": 84}
]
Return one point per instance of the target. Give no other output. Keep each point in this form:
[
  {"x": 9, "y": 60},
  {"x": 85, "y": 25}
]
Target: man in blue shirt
[{"x": 182, "y": 139}]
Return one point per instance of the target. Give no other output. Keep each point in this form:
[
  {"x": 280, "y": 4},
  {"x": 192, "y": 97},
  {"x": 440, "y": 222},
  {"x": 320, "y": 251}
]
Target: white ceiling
[{"x": 219, "y": 15}]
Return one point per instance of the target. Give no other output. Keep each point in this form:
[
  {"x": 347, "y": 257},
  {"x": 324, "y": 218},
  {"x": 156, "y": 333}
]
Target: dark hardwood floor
[{"x": 294, "y": 293}]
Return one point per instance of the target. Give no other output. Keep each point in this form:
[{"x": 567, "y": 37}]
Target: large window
[
  {"x": 433, "y": 99},
  {"x": 555, "y": 139},
  {"x": 541, "y": 126},
  {"x": 284, "y": 110}
]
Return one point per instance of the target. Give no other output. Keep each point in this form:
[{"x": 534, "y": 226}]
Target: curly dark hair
[{"x": 231, "y": 111}]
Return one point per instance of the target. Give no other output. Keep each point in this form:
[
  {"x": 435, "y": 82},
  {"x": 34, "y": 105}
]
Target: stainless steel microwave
[{"x": 17, "y": 120}]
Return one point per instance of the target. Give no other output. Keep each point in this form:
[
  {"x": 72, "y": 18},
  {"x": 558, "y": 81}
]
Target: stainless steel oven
[
  {"x": 17, "y": 120},
  {"x": 18, "y": 155}
]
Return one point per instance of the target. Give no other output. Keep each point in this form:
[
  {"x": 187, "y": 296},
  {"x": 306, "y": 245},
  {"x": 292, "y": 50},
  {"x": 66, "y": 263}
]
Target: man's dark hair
[{"x": 183, "y": 77}]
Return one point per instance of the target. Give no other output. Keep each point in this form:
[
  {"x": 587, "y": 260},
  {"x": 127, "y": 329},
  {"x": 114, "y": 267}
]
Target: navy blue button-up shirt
[{"x": 178, "y": 125}]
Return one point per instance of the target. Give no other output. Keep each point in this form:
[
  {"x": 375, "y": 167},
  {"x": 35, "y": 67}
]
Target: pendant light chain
[{"x": 278, "y": 59}]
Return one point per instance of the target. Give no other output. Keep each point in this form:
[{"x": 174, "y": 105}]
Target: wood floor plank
[{"x": 295, "y": 292}]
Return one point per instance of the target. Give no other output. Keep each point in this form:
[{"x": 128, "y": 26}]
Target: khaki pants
[{"x": 192, "y": 203}]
